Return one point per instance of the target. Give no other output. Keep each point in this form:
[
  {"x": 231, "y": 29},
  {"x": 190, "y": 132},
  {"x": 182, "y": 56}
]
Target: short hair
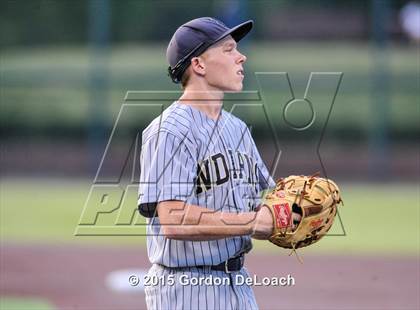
[{"x": 185, "y": 78}]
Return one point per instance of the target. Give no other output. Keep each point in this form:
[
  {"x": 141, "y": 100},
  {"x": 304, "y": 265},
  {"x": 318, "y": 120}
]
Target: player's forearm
[
  {"x": 213, "y": 226},
  {"x": 196, "y": 223}
]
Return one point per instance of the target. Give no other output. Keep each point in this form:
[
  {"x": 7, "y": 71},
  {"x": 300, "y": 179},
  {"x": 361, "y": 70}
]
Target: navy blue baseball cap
[{"x": 194, "y": 37}]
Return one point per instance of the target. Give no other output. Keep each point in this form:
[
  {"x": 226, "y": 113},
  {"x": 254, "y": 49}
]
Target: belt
[{"x": 231, "y": 265}]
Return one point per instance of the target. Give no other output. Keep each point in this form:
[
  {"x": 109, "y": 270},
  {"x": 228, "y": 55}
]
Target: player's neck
[{"x": 208, "y": 101}]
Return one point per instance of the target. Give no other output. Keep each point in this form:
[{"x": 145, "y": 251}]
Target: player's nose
[{"x": 242, "y": 58}]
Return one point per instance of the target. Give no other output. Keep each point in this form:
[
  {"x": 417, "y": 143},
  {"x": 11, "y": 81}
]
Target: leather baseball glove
[{"x": 315, "y": 199}]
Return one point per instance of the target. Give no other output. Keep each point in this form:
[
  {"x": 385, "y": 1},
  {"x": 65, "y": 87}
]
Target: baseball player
[{"x": 201, "y": 176}]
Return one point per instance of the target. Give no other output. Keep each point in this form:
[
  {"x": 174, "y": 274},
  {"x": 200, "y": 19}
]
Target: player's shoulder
[{"x": 175, "y": 120}]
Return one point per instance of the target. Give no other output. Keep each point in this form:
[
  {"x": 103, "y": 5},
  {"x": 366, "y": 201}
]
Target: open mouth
[{"x": 240, "y": 72}]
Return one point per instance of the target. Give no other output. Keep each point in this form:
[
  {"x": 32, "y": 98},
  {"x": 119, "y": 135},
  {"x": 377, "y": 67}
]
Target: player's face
[{"x": 224, "y": 66}]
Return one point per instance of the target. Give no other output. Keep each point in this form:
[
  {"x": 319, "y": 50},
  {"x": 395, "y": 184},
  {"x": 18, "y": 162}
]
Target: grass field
[
  {"x": 377, "y": 218},
  {"x": 13, "y": 303}
]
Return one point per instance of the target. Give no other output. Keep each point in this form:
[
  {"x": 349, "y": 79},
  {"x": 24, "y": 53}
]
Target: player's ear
[{"x": 198, "y": 65}]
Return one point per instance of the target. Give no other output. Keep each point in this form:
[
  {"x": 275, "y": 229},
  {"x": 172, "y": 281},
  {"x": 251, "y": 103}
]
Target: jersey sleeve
[{"x": 168, "y": 171}]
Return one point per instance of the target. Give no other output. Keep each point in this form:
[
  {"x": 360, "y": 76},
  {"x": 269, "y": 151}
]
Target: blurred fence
[{"x": 45, "y": 92}]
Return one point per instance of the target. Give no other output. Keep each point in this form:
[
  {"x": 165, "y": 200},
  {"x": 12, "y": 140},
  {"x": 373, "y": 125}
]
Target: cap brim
[{"x": 239, "y": 31}]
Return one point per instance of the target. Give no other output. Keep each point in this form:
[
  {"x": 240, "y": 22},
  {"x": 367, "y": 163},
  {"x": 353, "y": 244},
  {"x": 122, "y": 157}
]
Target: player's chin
[{"x": 235, "y": 87}]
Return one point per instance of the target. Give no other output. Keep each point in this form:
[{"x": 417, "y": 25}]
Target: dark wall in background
[{"x": 55, "y": 22}]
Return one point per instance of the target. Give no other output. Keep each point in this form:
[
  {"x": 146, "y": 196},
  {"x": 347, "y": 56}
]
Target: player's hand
[
  {"x": 295, "y": 220},
  {"x": 263, "y": 224}
]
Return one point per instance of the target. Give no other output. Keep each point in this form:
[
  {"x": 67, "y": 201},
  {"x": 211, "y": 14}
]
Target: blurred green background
[{"x": 66, "y": 67}]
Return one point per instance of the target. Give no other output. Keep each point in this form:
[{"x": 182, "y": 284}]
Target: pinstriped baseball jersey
[{"x": 210, "y": 163}]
